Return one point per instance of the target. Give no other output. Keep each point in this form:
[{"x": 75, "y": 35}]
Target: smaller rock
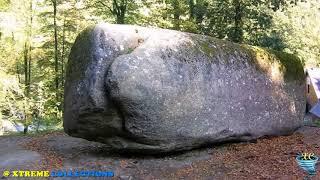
[{"x": 125, "y": 178}]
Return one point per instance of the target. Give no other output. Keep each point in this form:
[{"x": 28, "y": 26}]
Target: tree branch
[
  {"x": 105, "y": 5},
  {"x": 116, "y": 6}
]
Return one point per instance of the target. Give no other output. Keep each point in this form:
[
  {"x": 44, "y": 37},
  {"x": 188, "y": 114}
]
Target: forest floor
[{"x": 267, "y": 158}]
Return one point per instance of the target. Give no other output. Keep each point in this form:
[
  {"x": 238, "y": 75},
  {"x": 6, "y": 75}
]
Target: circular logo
[{"x": 6, "y": 173}]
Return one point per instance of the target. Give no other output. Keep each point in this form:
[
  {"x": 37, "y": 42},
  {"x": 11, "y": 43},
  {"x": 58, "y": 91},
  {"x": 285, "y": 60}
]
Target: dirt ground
[{"x": 268, "y": 158}]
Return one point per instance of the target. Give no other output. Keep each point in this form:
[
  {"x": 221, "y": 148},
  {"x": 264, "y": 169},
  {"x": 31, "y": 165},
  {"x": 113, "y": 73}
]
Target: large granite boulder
[{"x": 154, "y": 90}]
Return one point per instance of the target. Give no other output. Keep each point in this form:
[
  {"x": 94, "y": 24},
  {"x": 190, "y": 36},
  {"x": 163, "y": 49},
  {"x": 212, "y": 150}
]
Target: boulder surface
[{"x": 153, "y": 90}]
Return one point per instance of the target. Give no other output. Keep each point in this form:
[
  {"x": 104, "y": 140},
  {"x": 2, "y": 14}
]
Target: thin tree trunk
[
  {"x": 176, "y": 14},
  {"x": 238, "y": 31},
  {"x": 18, "y": 73},
  {"x": 27, "y": 65},
  {"x": 63, "y": 50},
  {"x": 26, "y": 69},
  {"x": 191, "y": 8},
  {"x": 63, "y": 54},
  {"x": 17, "y": 66},
  {"x": 25, "y": 130},
  {"x": 29, "y": 69},
  {"x": 38, "y": 124},
  {"x": 56, "y": 63},
  {"x": 30, "y": 44}
]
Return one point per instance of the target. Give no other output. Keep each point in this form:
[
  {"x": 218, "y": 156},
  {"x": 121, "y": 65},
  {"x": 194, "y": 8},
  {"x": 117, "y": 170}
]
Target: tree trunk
[
  {"x": 120, "y": 19},
  {"x": 18, "y": 73},
  {"x": 56, "y": 62},
  {"x": 119, "y": 10},
  {"x": 25, "y": 129},
  {"x": 26, "y": 66},
  {"x": 38, "y": 123},
  {"x": 191, "y": 9},
  {"x": 63, "y": 50},
  {"x": 238, "y": 31},
  {"x": 176, "y": 14},
  {"x": 30, "y": 44},
  {"x": 17, "y": 66},
  {"x": 63, "y": 56}
]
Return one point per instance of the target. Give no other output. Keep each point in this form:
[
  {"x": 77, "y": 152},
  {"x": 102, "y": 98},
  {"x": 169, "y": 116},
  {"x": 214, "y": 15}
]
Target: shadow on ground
[{"x": 268, "y": 158}]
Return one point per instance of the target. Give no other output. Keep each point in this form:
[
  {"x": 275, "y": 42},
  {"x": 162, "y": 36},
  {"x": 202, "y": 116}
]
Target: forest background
[{"x": 36, "y": 37}]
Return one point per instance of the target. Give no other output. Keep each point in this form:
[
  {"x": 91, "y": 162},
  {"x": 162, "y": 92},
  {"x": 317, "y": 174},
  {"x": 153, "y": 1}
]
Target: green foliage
[
  {"x": 299, "y": 31},
  {"x": 291, "y": 65},
  {"x": 4, "y": 5},
  {"x": 13, "y": 103},
  {"x": 33, "y": 57},
  {"x": 27, "y": 91}
]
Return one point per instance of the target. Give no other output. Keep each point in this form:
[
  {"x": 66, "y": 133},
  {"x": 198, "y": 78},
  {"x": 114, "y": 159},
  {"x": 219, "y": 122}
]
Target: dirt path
[{"x": 268, "y": 158}]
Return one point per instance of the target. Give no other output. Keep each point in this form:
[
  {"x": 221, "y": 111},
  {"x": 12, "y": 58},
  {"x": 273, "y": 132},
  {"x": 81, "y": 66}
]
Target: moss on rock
[
  {"x": 270, "y": 61},
  {"x": 289, "y": 65}
]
